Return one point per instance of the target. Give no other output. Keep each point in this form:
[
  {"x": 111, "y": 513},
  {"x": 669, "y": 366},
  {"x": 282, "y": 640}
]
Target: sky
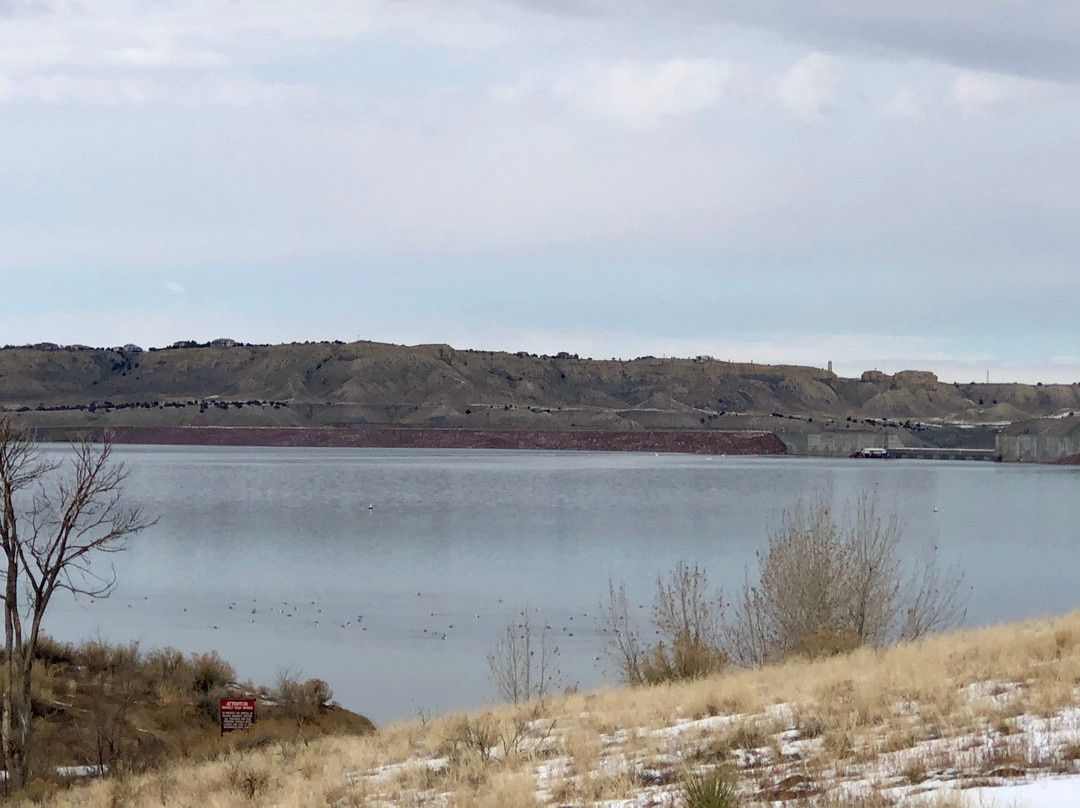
[{"x": 880, "y": 185}]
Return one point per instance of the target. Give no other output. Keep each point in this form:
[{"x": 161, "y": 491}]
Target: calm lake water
[{"x": 273, "y": 558}]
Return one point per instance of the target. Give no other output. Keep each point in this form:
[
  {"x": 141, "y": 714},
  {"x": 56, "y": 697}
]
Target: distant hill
[{"x": 374, "y": 384}]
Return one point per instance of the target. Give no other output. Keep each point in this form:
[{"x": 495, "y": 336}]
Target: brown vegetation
[
  {"x": 56, "y": 520},
  {"x": 115, "y": 709},
  {"x": 872, "y": 729},
  {"x": 825, "y": 586}
]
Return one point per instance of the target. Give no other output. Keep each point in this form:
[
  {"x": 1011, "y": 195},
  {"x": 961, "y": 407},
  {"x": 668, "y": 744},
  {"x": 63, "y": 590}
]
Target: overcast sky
[{"x": 884, "y": 185}]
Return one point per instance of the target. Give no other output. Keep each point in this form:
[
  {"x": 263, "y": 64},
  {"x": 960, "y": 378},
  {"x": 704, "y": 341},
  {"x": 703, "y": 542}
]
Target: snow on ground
[
  {"x": 1052, "y": 792},
  {"x": 1010, "y": 759}
]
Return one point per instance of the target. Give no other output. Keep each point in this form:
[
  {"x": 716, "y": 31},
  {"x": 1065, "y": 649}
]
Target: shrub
[
  {"x": 317, "y": 693},
  {"x": 825, "y": 587},
  {"x": 301, "y": 700},
  {"x": 53, "y": 652},
  {"x": 248, "y": 780},
  {"x": 210, "y": 672},
  {"x": 477, "y": 738},
  {"x": 826, "y": 642},
  {"x": 524, "y": 665},
  {"x": 166, "y": 664},
  {"x": 710, "y": 790},
  {"x": 687, "y": 615},
  {"x": 686, "y": 658}
]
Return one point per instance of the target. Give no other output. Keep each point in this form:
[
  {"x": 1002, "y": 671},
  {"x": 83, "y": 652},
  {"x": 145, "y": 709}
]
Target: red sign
[{"x": 237, "y": 714}]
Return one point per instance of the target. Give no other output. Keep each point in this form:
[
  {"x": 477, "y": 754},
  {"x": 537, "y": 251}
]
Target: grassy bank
[
  {"x": 914, "y": 724},
  {"x": 102, "y": 708}
]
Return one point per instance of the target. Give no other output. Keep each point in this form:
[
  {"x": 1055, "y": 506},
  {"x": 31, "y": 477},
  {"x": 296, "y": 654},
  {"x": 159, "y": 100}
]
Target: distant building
[{"x": 223, "y": 342}]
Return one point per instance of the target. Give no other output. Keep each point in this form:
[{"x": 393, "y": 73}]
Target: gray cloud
[
  {"x": 1037, "y": 39},
  {"x": 755, "y": 177}
]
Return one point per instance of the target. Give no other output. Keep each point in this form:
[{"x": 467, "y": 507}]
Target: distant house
[{"x": 223, "y": 342}]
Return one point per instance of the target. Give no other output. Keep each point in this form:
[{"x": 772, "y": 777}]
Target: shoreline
[{"x": 684, "y": 442}]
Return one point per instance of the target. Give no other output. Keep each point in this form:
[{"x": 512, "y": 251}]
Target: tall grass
[{"x": 884, "y": 720}]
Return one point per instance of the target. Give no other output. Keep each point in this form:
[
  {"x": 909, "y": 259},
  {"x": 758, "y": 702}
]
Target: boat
[{"x": 874, "y": 453}]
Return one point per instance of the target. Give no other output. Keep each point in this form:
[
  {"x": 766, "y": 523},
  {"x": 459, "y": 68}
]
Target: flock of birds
[
  {"x": 313, "y": 610},
  {"x": 288, "y": 610}
]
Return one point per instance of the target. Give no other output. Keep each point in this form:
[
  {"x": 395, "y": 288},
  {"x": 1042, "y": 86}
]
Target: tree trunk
[{"x": 15, "y": 727}]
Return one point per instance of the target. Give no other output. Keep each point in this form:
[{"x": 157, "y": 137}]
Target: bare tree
[
  {"x": 687, "y": 616},
  {"x": 55, "y": 519},
  {"x": 747, "y": 640},
  {"x": 524, "y": 663},
  {"x": 623, "y": 644},
  {"x": 937, "y": 599}
]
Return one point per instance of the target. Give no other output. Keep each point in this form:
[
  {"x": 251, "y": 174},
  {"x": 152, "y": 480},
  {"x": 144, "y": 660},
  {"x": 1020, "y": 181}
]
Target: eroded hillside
[{"x": 367, "y": 383}]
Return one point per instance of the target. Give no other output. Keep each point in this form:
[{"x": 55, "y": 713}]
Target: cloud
[
  {"x": 150, "y": 57},
  {"x": 675, "y": 87},
  {"x": 905, "y": 104},
  {"x": 575, "y": 156},
  {"x": 66, "y": 88},
  {"x": 1004, "y": 36},
  {"x": 809, "y": 87},
  {"x": 174, "y": 287},
  {"x": 976, "y": 92}
]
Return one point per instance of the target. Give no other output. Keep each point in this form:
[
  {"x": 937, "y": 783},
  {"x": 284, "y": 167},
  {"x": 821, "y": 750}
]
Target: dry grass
[{"x": 870, "y": 729}]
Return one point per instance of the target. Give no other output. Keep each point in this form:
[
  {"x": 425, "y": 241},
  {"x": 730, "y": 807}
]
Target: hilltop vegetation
[
  {"x": 366, "y": 383},
  {"x": 101, "y": 708}
]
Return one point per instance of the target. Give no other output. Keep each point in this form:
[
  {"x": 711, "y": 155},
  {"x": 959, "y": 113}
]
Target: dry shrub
[
  {"x": 513, "y": 790},
  {"x": 39, "y": 790},
  {"x": 809, "y": 723},
  {"x": 249, "y": 780},
  {"x": 686, "y": 658},
  {"x": 100, "y": 657},
  {"x": 819, "y": 576},
  {"x": 714, "y": 749},
  {"x": 748, "y": 735},
  {"x": 595, "y": 787},
  {"x": 915, "y": 770},
  {"x": 1065, "y": 640},
  {"x": 301, "y": 701},
  {"x": 53, "y": 652},
  {"x": 168, "y": 666},
  {"x": 209, "y": 672},
  {"x": 826, "y": 641},
  {"x": 469, "y": 738},
  {"x": 687, "y": 615},
  {"x": 583, "y": 747},
  {"x": 524, "y": 664}
]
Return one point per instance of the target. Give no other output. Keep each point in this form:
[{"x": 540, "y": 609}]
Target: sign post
[{"x": 237, "y": 714}]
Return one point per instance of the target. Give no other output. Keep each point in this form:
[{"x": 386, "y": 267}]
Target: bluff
[{"x": 376, "y": 385}]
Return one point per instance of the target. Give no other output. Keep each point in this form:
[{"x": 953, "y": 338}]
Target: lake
[{"x": 392, "y": 573}]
